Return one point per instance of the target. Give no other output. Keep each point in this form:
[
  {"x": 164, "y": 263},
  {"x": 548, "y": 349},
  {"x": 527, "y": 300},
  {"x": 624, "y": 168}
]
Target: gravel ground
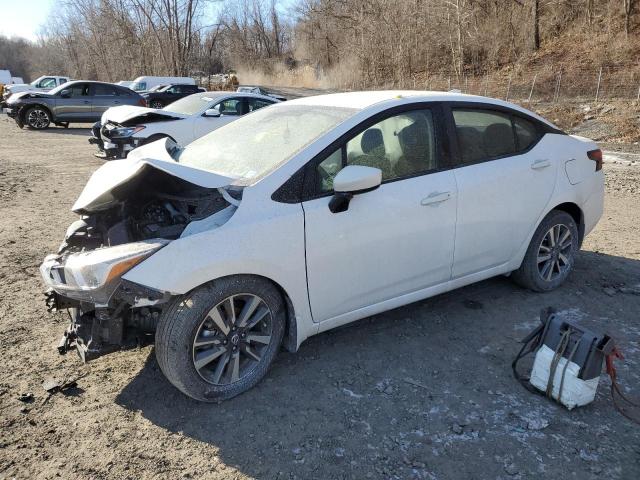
[{"x": 424, "y": 391}]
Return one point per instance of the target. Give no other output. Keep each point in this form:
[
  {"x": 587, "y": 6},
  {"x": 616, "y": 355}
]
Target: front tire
[
  {"x": 551, "y": 254},
  {"x": 37, "y": 118},
  {"x": 220, "y": 339}
]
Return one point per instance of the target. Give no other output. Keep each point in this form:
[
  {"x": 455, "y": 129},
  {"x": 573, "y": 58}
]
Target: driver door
[
  {"x": 78, "y": 106},
  {"x": 394, "y": 241}
]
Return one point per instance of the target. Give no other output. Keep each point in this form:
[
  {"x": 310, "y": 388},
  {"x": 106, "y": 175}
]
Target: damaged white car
[
  {"x": 312, "y": 214},
  {"x": 123, "y": 128}
]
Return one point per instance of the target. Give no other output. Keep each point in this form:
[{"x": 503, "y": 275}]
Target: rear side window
[
  {"x": 483, "y": 134},
  {"x": 104, "y": 90}
]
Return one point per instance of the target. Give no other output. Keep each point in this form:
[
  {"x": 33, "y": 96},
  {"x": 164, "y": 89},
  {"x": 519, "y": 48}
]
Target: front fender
[{"x": 265, "y": 243}]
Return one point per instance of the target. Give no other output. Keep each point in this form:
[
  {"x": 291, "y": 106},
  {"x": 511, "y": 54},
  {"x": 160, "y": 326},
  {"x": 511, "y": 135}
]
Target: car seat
[{"x": 416, "y": 149}]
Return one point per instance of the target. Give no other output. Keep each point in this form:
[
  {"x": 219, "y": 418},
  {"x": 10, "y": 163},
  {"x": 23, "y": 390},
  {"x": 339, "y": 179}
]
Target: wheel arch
[
  {"x": 290, "y": 339},
  {"x": 26, "y": 108},
  {"x": 576, "y": 213},
  {"x": 157, "y": 136}
]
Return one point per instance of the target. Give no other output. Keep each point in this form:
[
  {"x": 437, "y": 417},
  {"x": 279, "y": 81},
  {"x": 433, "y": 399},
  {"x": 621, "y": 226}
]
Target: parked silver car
[{"x": 76, "y": 102}]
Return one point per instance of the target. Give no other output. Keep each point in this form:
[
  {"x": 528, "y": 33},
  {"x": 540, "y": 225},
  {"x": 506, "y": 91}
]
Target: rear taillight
[
  {"x": 142, "y": 102},
  {"x": 596, "y": 156}
]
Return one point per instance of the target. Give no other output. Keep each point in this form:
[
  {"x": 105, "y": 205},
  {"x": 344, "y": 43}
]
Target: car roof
[
  {"x": 222, "y": 93},
  {"x": 363, "y": 100}
]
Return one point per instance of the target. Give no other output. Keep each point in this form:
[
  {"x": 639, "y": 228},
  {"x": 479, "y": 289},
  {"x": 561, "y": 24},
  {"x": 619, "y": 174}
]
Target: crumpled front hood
[
  {"x": 15, "y": 96},
  {"x": 18, "y": 87},
  {"x": 97, "y": 194},
  {"x": 125, "y": 113}
]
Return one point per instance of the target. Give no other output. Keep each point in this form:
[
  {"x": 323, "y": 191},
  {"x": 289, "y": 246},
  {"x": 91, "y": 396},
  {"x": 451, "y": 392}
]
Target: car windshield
[
  {"x": 192, "y": 104},
  {"x": 138, "y": 86},
  {"x": 255, "y": 145}
]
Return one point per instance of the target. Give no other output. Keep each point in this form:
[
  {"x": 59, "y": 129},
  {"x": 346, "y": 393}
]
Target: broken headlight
[
  {"x": 125, "y": 132},
  {"x": 94, "y": 275}
]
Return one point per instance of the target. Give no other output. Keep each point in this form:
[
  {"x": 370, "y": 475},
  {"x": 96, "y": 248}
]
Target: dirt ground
[{"x": 421, "y": 392}]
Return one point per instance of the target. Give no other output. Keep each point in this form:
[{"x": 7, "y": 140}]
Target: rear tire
[
  {"x": 211, "y": 345},
  {"x": 551, "y": 254},
  {"x": 37, "y": 118}
]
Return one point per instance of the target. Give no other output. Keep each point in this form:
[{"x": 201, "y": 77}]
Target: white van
[{"x": 141, "y": 84}]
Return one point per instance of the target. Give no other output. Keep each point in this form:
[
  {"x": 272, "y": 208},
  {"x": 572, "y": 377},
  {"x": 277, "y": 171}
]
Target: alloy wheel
[
  {"x": 157, "y": 105},
  {"x": 38, "y": 118},
  {"x": 554, "y": 252},
  {"x": 232, "y": 338}
]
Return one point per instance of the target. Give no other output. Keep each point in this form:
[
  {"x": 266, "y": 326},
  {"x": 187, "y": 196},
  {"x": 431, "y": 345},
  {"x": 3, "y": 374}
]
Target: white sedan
[
  {"x": 123, "y": 128},
  {"x": 312, "y": 214}
]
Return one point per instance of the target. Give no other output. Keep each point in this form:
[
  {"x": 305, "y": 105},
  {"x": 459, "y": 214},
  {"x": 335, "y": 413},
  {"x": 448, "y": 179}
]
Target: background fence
[{"x": 544, "y": 85}]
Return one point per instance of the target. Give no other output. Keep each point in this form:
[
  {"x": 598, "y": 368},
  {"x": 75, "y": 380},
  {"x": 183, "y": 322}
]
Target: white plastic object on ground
[{"x": 575, "y": 391}]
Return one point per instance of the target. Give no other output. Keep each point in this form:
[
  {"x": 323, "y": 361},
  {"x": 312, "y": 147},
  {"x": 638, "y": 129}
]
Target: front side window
[
  {"x": 79, "y": 90},
  {"x": 233, "y": 106},
  {"x": 257, "y": 103},
  {"x": 403, "y": 145}
]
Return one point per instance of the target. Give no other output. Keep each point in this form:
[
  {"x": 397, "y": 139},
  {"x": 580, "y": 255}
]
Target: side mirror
[
  {"x": 353, "y": 180},
  {"x": 211, "y": 112},
  {"x": 65, "y": 93}
]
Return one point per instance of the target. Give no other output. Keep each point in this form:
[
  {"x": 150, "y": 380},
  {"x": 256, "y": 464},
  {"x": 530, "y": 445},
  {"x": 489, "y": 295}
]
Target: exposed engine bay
[
  {"x": 148, "y": 211},
  {"x": 154, "y": 205}
]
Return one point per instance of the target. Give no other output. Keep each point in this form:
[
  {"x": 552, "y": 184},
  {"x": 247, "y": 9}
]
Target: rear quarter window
[{"x": 526, "y": 133}]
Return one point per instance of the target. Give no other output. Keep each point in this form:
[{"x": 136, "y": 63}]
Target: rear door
[
  {"x": 504, "y": 183},
  {"x": 392, "y": 242},
  {"x": 104, "y": 97}
]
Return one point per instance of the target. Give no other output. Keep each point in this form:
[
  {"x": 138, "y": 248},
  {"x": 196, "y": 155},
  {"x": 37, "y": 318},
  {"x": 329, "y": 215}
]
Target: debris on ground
[
  {"x": 26, "y": 397},
  {"x": 53, "y": 385}
]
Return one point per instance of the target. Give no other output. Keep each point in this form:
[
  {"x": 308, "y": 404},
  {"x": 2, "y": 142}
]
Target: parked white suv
[
  {"x": 311, "y": 214},
  {"x": 40, "y": 84}
]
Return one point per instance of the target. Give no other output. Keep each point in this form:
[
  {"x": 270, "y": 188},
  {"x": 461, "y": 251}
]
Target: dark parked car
[
  {"x": 76, "y": 102},
  {"x": 162, "y": 97}
]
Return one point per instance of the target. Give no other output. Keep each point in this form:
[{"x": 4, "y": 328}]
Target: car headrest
[
  {"x": 372, "y": 142},
  {"x": 498, "y": 139},
  {"x": 414, "y": 139}
]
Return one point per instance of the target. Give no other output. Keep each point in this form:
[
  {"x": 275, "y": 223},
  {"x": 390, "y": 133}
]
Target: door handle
[
  {"x": 435, "y": 198},
  {"x": 538, "y": 164},
  {"x": 87, "y": 102}
]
